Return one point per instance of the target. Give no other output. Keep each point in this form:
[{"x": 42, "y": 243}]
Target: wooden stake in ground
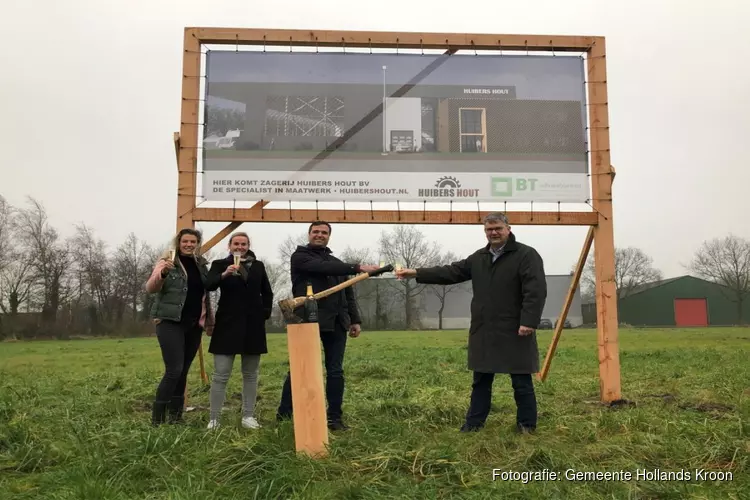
[
  {"x": 306, "y": 373},
  {"x": 308, "y": 397}
]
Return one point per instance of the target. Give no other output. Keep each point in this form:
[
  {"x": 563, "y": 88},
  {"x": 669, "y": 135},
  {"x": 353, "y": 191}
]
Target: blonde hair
[{"x": 240, "y": 233}]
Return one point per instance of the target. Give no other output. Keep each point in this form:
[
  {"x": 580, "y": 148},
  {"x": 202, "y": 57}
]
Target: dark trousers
[
  {"x": 179, "y": 344},
  {"x": 334, "y": 345},
  {"x": 481, "y": 399}
]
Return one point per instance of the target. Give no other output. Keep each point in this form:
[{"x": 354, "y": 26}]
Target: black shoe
[
  {"x": 280, "y": 417},
  {"x": 524, "y": 429},
  {"x": 338, "y": 425},
  {"x": 471, "y": 428},
  {"x": 174, "y": 410},
  {"x": 158, "y": 412}
]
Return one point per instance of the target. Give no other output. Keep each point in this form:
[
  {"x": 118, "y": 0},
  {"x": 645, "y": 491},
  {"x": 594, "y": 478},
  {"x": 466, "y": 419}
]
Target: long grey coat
[{"x": 506, "y": 294}]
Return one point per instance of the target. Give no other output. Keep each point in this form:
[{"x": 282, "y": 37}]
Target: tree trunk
[
  {"x": 440, "y": 315},
  {"x": 14, "y": 302},
  {"x": 378, "y": 311},
  {"x": 408, "y": 312},
  {"x": 740, "y": 319},
  {"x": 408, "y": 306}
]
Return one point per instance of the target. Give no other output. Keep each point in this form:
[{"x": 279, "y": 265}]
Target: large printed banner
[{"x": 312, "y": 126}]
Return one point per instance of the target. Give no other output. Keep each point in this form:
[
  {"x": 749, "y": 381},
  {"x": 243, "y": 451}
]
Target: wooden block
[{"x": 308, "y": 396}]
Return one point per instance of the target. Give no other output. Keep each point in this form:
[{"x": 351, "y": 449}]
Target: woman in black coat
[{"x": 245, "y": 303}]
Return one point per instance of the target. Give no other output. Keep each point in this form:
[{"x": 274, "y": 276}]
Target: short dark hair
[
  {"x": 496, "y": 217},
  {"x": 319, "y": 223}
]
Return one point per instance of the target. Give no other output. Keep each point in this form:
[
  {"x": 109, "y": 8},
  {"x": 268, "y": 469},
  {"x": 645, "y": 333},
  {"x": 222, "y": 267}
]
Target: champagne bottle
[{"x": 311, "y": 306}]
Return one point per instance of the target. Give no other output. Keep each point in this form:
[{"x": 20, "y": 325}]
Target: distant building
[
  {"x": 456, "y": 314},
  {"x": 684, "y": 301}
]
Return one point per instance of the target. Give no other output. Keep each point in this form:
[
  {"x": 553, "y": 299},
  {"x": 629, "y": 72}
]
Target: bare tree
[
  {"x": 406, "y": 245},
  {"x": 278, "y": 277},
  {"x": 131, "y": 269},
  {"x": 633, "y": 268},
  {"x": 352, "y": 255},
  {"x": 16, "y": 278},
  {"x": 6, "y": 228},
  {"x": 289, "y": 245},
  {"x": 726, "y": 261},
  {"x": 51, "y": 257},
  {"x": 94, "y": 282},
  {"x": 286, "y": 249},
  {"x": 442, "y": 291},
  {"x": 90, "y": 257},
  {"x": 16, "y": 282}
]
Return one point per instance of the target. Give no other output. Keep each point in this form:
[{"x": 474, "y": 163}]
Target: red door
[{"x": 690, "y": 312}]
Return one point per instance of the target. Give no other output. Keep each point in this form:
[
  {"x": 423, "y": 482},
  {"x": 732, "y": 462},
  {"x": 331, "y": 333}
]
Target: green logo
[
  {"x": 504, "y": 186},
  {"x": 501, "y": 186}
]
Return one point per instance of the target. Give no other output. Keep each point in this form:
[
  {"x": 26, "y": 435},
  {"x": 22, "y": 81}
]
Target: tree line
[{"x": 55, "y": 287}]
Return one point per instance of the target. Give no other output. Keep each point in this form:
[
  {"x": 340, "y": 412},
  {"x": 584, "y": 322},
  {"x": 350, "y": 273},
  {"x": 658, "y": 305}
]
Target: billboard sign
[{"x": 311, "y": 126}]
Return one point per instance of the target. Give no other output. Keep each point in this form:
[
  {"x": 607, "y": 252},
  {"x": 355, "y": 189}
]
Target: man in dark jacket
[
  {"x": 338, "y": 313},
  {"x": 509, "y": 292}
]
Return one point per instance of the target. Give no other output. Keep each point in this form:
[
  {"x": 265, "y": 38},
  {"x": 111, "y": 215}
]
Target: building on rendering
[{"x": 425, "y": 119}]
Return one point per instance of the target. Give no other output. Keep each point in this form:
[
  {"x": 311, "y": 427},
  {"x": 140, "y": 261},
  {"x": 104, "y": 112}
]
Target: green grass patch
[{"x": 74, "y": 423}]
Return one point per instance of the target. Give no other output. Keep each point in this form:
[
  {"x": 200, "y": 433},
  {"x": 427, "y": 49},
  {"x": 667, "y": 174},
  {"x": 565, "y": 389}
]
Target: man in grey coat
[{"x": 509, "y": 292}]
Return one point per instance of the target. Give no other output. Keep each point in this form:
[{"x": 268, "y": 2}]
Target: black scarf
[{"x": 246, "y": 263}]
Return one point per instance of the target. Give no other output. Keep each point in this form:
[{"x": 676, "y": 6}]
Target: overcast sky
[{"x": 90, "y": 96}]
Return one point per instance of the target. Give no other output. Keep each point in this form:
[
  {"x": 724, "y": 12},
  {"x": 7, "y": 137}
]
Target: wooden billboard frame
[{"x": 600, "y": 219}]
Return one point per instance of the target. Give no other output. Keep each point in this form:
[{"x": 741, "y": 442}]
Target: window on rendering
[{"x": 473, "y": 130}]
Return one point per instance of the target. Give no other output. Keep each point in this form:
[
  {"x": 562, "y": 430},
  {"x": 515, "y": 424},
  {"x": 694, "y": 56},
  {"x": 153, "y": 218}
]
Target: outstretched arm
[
  {"x": 308, "y": 264},
  {"x": 450, "y": 274}
]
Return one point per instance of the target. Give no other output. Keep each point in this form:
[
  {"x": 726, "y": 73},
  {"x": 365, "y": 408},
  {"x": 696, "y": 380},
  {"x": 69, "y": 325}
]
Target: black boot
[
  {"x": 158, "y": 412},
  {"x": 175, "y": 407}
]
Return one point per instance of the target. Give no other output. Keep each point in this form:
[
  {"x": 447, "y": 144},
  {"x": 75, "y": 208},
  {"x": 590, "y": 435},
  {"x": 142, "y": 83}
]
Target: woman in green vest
[{"x": 181, "y": 312}]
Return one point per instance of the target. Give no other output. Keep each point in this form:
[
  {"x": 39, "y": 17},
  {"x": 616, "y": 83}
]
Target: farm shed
[{"x": 683, "y": 301}]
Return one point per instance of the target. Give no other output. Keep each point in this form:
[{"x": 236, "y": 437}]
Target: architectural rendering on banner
[{"x": 311, "y": 126}]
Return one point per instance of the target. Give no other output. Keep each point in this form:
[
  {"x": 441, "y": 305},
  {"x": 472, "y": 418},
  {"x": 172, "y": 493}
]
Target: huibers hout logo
[{"x": 448, "y": 187}]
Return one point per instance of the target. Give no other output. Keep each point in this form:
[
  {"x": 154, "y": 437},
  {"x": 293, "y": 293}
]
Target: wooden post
[
  {"x": 604, "y": 245},
  {"x": 542, "y": 375},
  {"x": 209, "y": 244},
  {"x": 308, "y": 398},
  {"x": 187, "y": 142},
  {"x": 186, "y": 148}
]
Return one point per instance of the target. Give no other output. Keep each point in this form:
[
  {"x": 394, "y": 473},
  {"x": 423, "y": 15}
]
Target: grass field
[{"x": 74, "y": 423}]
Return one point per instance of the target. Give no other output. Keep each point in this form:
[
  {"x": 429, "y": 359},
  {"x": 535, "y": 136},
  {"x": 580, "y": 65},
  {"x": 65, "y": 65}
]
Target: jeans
[
  {"x": 223, "y": 363},
  {"x": 334, "y": 345},
  {"x": 179, "y": 344},
  {"x": 481, "y": 399}
]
